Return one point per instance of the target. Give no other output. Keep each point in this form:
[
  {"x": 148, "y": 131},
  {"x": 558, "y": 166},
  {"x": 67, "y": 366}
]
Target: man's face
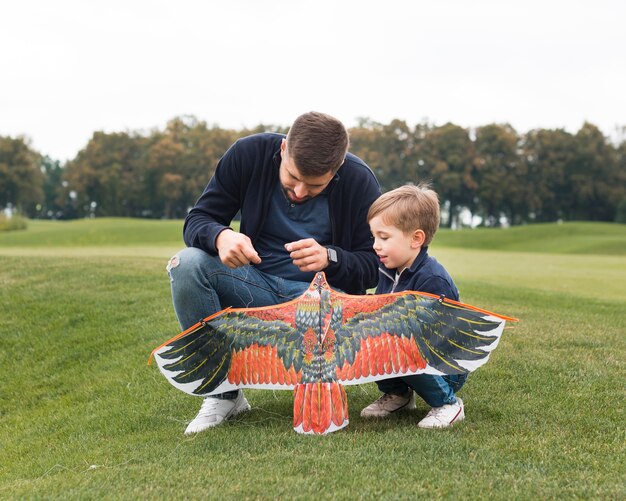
[{"x": 299, "y": 188}]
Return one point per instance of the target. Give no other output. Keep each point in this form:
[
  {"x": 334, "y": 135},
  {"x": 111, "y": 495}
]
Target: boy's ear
[{"x": 419, "y": 237}]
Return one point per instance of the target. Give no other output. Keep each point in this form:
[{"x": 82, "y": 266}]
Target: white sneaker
[
  {"x": 442, "y": 417},
  {"x": 387, "y": 404},
  {"x": 214, "y": 411}
]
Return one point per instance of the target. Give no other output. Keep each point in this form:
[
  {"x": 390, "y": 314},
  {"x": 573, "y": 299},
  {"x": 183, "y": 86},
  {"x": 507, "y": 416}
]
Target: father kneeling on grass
[{"x": 304, "y": 201}]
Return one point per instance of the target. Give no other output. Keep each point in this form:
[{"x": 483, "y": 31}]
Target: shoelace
[
  {"x": 436, "y": 412},
  {"x": 388, "y": 396},
  {"x": 208, "y": 405},
  {"x": 385, "y": 398}
]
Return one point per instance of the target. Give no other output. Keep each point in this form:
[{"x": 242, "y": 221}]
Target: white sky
[{"x": 71, "y": 67}]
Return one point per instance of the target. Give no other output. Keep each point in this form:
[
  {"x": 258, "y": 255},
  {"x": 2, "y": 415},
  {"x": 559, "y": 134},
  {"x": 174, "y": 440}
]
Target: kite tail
[{"x": 319, "y": 408}]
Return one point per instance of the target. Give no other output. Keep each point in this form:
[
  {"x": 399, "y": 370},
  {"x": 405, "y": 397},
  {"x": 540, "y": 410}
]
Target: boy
[{"x": 403, "y": 222}]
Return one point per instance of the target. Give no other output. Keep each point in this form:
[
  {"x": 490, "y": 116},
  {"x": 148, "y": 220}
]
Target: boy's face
[{"x": 395, "y": 249}]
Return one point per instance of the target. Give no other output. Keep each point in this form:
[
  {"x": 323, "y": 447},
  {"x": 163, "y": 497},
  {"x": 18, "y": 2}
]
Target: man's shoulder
[
  {"x": 252, "y": 152},
  {"x": 355, "y": 168},
  {"x": 271, "y": 139}
]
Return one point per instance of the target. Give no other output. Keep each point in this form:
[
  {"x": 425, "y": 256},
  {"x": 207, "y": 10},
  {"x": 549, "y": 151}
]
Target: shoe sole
[{"x": 437, "y": 427}]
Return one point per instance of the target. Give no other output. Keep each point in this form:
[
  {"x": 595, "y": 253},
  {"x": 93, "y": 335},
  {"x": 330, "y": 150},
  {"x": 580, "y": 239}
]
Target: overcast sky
[{"x": 69, "y": 68}]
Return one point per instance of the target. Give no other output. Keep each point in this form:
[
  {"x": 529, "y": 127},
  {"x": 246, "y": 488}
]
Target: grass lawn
[{"x": 81, "y": 416}]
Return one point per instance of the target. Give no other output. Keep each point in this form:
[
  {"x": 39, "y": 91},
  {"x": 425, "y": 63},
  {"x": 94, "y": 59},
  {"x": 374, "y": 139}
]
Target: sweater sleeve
[
  {"x": 357, "y": 266},
  {"x": 217, "y": 205}
]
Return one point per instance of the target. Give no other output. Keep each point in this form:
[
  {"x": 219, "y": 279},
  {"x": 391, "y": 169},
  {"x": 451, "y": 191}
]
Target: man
[{"x": 303, "y": 201}]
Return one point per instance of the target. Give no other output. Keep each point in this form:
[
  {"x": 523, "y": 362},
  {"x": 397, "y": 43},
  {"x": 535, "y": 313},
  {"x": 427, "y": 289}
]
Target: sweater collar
[{"x": 417, "y": 263}]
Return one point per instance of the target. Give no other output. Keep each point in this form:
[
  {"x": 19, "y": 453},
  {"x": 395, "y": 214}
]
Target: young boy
[{"x": 403, "y": 222}]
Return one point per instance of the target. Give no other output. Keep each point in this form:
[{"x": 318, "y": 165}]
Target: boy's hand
[
  {"x": 235, "y": 249},
  {"x": 308, "y": 255}
]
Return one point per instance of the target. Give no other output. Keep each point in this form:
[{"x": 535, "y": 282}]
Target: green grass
[
  {"x": 82, "y": 417},
  {"x": 107, "y": 232},
  {"x": 566, "y": 238}
]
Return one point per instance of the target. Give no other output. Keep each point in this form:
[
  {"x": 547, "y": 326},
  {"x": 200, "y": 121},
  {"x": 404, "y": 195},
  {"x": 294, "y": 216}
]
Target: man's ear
[
  {"x": 418, "y": 239},
  {"x": 283, "y": 147}
]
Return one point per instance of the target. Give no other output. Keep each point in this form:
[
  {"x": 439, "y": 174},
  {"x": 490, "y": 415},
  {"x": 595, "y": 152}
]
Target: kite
[{"x": 323, "y": 340}]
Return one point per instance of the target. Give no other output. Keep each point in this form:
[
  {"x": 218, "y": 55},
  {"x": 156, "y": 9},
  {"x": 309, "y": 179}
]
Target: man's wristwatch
[{"x": 332, "y": 255}]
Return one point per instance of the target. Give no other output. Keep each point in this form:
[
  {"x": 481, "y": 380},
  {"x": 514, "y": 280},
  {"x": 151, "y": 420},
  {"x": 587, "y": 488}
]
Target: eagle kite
[{"x": 323, "y": 340}]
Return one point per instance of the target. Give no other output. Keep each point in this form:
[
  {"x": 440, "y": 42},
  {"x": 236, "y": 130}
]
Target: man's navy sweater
[{"x": 244, "y": 179}]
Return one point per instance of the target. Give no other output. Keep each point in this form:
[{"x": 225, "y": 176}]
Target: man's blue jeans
[
  {"x": 436, "y": 391},
  {"x": 203, "y": 285}
]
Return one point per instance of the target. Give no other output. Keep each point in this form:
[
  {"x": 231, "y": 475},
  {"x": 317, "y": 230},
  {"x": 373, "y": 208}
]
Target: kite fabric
[{"x": 325, "y": 339}]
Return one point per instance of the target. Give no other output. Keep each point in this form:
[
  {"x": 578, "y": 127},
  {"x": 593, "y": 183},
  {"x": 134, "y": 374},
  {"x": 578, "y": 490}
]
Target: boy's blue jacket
[
  {"x": 244, "y": 181},
  {"x": 425, "y": 275}
]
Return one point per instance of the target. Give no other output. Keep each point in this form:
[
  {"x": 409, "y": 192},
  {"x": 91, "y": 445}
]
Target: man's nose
[{"x": 300, "y": 190}]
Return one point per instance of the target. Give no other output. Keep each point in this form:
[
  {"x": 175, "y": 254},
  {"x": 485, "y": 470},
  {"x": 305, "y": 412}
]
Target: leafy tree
[
  {"x": 105, "y": 177},
  {"x": 548, "y": 155},
  {"x": 594, "y": 181},
  {"x": 179, "y": 163},
  {"x": 500, "y": 186},
  {"x": 388, "y": 149},
  {"x": 620, "y": 168},
  {"x": 447, "y": 158},
  {"x": 55, "y": 200},
  {"x": 21, "y": 179},
  {"x": 546, "y": 175}
]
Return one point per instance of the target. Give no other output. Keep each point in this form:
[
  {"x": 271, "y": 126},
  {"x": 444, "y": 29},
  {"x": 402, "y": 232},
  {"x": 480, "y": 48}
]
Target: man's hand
[
  {"x": 235, "y": 249},
  {"x": 308, "y": 255}
]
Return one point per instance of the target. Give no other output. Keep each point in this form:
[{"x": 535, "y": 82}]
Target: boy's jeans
[
  {"x": 436, "y": 391},
  {"x": 203, "y": 285}
]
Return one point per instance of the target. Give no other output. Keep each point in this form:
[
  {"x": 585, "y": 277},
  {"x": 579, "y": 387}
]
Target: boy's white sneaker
[
  {"x": 442, "y": 417},
  {"x": 388, "y": 403},
  {"x": 214, "y": 411}
]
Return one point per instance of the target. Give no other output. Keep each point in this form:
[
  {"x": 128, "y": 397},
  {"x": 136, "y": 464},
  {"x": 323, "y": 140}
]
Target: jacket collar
[{"x": 417, "y": 263}]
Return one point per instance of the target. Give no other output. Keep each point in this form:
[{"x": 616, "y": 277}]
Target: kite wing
[
  {"x": 410, "y": 333},
  {"x": 256, "y": 347}
]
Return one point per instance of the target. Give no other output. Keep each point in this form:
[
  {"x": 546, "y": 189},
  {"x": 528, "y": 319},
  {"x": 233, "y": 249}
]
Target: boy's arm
[{"x": 438, "y": 286}]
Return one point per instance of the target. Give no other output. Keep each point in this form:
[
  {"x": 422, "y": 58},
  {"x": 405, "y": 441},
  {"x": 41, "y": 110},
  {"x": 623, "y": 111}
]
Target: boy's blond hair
[{"x": 409, "y": 208}]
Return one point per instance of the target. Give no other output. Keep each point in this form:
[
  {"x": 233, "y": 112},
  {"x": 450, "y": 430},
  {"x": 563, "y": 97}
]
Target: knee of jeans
[{"x": 187, "y": 261}]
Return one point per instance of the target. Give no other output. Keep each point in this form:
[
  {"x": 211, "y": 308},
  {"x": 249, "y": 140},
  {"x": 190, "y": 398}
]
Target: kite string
[{"x": 245, "y": 302}]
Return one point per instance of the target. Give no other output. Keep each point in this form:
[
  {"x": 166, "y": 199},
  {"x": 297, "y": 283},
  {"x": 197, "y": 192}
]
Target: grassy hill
[
  {"x": 81, "y": 416},
  {"x": 95, "y": 232},
  {"x": 565, "y": 238}
]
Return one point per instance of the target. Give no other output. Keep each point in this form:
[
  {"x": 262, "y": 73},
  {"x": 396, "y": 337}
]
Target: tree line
[{"x": 491, "y": 171}]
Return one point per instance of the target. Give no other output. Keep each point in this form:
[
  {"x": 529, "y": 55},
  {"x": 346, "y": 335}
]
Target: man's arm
[
  {"x": 356, "y": 269},
  {"x": 217, "y": 205}
]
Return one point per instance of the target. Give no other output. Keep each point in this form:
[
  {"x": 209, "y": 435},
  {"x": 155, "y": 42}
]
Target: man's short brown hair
[
  {"x": 409, "y": 208},
  {"x": 317, "y": 143}
]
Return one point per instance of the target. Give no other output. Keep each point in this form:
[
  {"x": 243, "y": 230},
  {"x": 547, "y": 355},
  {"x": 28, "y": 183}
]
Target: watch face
[{"x": 332, "y": 255}]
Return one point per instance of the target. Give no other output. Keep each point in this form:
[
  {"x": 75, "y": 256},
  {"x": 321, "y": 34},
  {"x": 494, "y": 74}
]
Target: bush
[{"x": 12, "y": 223}]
